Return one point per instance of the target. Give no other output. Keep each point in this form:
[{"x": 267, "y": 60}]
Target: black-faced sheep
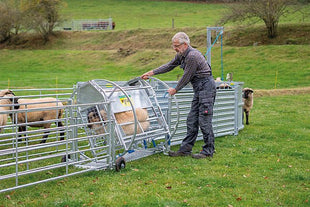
[
  {"x": 247, "y": 97},
  {"x": 6, "y": 92},
  {"x": 41, "y": 117},
  {"x": 125, "y": 119}
]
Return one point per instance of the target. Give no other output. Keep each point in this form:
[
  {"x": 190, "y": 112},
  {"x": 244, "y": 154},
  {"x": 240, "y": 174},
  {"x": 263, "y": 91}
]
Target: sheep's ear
[
  {"x": 251, "y": 91},
  {"x": 11, "y": 92},
  {"x": 8, "y": 92}
]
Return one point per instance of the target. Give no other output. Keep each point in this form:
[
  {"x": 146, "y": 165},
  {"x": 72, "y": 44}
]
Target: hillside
[
  {"x": 160, "y": 38},
  {"x": 121, "y": 55}
]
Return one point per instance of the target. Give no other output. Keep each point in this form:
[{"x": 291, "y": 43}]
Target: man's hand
[
  {"x": 147, "y": 75},
  {"x": 172, "y": 91}
]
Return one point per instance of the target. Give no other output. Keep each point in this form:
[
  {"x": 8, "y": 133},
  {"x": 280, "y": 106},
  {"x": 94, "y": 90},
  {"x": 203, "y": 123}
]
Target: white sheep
[
  {"x": 247, "y": 97},
  {"x": 126, "y": 118},
  {"x": 35, "y": 116},
  {"x": 3, "y": 117},
  {"x": 222, "y": 85}
]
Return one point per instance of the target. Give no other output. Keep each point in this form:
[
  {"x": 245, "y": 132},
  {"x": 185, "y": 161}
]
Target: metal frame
[
  {"x": 220, "y": 31},
  {"x": 29, "y": 162}
]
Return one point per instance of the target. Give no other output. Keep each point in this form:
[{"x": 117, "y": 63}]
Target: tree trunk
[{"x": 272, "y": 29}]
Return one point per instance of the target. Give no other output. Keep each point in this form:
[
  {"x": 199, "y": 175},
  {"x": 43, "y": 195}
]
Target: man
[{"x": 198, "y": 72}]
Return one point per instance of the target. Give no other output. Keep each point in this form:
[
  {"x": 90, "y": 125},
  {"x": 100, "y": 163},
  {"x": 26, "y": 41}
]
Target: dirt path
[{"x": 278, "y": 92}]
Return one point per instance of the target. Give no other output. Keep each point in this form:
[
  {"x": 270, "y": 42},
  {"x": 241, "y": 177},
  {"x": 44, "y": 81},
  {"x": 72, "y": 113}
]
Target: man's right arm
[
  {"x": 169, "y": 66},
  {"x": 162, "y": 69}
]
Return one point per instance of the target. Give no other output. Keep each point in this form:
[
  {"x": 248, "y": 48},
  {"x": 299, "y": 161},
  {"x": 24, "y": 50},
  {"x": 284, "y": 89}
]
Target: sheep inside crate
[
  {"x": 41, "y": 118},
  {"x": 124, "y": 119}
]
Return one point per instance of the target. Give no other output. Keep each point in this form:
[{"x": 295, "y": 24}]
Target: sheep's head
[
  {"x": 11, "y": 99},
  {"x": 93, "y": 116},
  {"x": 246, "y": 92},
  {"x": 6, "y": 92}
]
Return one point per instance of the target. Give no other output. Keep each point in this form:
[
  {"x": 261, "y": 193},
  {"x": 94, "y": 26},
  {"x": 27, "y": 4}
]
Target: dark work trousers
[{"x": 200, "y": 115}]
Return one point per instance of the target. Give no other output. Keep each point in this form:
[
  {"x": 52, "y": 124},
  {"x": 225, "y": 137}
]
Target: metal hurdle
[
  {"x": 227, "y": 111},
  {"x": 106, "y": 146}
]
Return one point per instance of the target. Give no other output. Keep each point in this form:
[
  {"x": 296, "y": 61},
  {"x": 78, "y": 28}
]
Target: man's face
[{"x": 179, "y": 48}]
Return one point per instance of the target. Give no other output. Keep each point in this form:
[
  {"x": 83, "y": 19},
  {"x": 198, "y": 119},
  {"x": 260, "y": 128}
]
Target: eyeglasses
[{"x": 176, "y": 46}]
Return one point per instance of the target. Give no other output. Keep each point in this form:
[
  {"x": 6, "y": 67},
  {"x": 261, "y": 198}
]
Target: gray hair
[{"x": 182, "y": 37}]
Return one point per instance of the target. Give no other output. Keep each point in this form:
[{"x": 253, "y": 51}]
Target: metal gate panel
[
  {"x": 29, "y": 162},
  {"x": 227, "y": 112},
  {"x": 25, "y": 161}
]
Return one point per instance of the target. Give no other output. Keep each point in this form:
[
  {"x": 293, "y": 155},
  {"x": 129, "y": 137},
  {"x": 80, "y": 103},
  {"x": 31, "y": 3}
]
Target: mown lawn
[{"x": 267, "y": 164}]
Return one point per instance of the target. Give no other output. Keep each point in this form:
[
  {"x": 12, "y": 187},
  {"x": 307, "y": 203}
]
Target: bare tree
[
  {"x": 43, "y": 16},
  {"x": 10, "y": 19},
  {"x": 268, "y": 11}
]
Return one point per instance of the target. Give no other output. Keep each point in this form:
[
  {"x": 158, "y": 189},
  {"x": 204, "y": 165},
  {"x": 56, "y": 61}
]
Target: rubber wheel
[{"x": 120, "y": 164}]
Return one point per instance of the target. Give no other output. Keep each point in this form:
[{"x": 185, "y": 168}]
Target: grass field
[
  {"x": 148, "y": 14},
  {"x": 264, "y": 67},
  {"x": 267, "y": 164}
]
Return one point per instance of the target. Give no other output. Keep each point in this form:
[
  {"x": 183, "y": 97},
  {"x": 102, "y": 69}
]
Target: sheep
[
  {"x": 222, "y": 85},
  {"x": 126, "y": 118},
  {"x": 6, "y": 92},
  {"x": 35, "y": 116},
  {"x": 247, "y": 97},
  {"x": 3, "y": 117}
]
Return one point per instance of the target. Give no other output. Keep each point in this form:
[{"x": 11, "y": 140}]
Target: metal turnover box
[{"x": 128, "y": 119}]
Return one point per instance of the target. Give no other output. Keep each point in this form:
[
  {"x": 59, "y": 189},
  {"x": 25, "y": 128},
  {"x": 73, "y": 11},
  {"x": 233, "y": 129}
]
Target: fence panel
[{"x": 73, "y": 147}]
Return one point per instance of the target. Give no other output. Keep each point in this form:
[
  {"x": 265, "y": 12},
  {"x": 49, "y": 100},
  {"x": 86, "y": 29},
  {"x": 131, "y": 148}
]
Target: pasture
[{"x": 267, "y": 164}]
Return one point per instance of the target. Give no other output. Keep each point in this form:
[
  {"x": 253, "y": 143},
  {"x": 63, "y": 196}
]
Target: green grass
[
  {"x": 263, "y": 67},
  {"x": 267, "y": 164},
  {"x": 145, "y": 14},
  {"x": 148, "y": 14}
]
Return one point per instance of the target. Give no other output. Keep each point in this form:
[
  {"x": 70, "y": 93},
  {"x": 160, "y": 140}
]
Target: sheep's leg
[
  {"x": 247, "y": 117},
  {"x": 62, "y": 133},
  {"x": 21, "y": 129},
  {"x": 44, "y": 137},
  {"x": 243, "y": 116}
]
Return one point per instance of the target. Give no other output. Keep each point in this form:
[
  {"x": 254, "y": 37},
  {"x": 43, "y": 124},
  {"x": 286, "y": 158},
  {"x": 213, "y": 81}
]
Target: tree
[
  {"x": 43, "y": 16},
  {"x": 10, "y": 19},
  {"x": 269, "y": 11}
]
